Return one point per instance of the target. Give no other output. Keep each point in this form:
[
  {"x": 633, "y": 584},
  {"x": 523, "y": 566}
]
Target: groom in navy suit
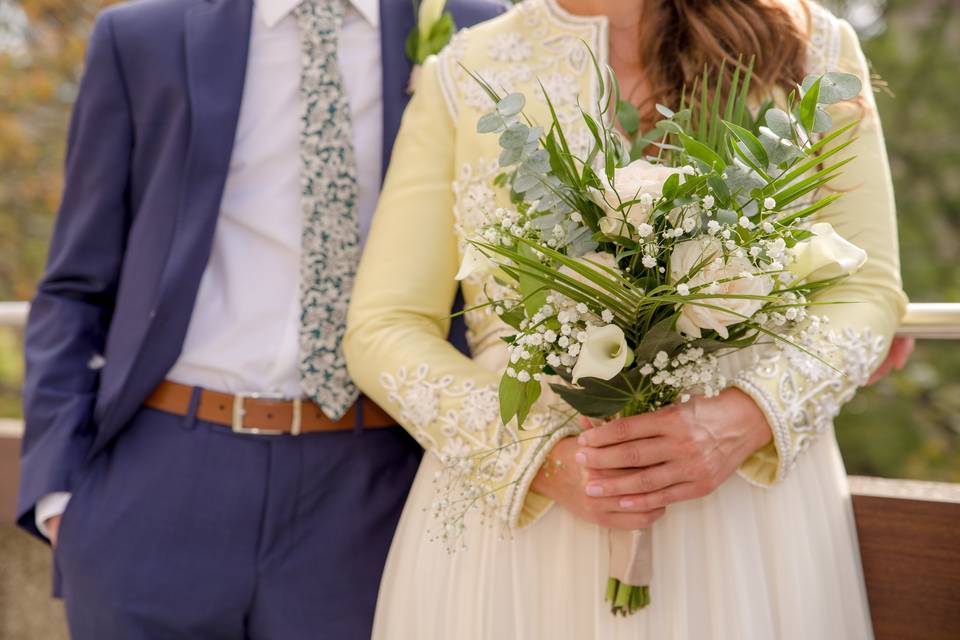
[{"x": 191, "y": 448}]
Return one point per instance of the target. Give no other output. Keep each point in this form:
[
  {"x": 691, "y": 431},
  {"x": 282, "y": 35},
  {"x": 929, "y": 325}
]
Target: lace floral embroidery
[
  {"x": 486, "y": 464},
  {"x": 800, "y": 393}
]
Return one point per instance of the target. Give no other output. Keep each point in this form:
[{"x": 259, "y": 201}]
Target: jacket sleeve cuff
[{"x": 50, "y": 506}]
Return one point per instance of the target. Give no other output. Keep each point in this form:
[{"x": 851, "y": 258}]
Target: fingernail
[
  {"x": 582, "y": 440},
  {"x": 581, "y": 458},
  {"x": 626, "y": 503},
  {"x": 594, "y": 490}
]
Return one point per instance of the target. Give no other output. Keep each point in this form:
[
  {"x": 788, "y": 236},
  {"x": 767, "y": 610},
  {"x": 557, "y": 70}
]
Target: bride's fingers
[
  {"x": 658, "y": 499},
  {"x": 629, "y": 455},
  {"x": 630, "y": 521},
  {"x": 627, "y": 429},
  {"x": 641, "y": 481}
]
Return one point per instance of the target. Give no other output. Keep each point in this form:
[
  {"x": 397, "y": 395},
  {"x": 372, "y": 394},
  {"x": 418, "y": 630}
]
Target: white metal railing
[
  {"x": 926, "y": 320},
  {"x": 13, "y": 314}
]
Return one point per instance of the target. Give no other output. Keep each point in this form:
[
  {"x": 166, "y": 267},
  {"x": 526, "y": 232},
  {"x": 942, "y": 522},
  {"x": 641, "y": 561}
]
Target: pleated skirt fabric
[{"x": 742, "y": 563}]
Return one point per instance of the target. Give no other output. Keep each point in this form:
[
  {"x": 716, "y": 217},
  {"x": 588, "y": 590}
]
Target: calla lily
[
  {"x": 826, "y": 255},
  {"x": 474, "y": 261},
  {"x": 430, "y": 12},
  {"x": 603, "y": 355}
]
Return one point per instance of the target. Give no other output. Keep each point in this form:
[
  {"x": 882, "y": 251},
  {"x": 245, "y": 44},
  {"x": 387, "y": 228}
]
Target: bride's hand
[
  {"x": 564, "y": 481},
  {"x": 678, "y": 453}
]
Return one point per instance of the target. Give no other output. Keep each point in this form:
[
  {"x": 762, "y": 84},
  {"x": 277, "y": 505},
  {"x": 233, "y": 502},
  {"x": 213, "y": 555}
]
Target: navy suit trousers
[{"x": 182, "y": 529}]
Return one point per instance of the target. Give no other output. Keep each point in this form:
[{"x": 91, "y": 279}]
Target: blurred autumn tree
[
  {"x": 42, "y": 43},
  {"x": 908, "y": 425}
]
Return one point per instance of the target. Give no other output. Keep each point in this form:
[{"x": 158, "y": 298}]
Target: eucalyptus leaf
[
  {"x": 510, "y": 157},
  {"x": 727, "y": 216},
  {"x": 837, "y": 87},
  {"x": 822, "y": 122},
  {"x": 511, "y": 104},
  {"x": 490, "y": 123},
  {"x": 666, "y": 111},
  {"x": 515, "y": 137},
  {"x": 669, "y": 126},
  {"x": 779, "y": 122},
  {"x": 629, "y": 117},
  {"x": 524, "y": 182}
]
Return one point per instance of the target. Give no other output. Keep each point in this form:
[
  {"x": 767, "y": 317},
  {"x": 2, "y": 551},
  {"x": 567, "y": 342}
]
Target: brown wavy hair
[{"x": 679, "y": 39}]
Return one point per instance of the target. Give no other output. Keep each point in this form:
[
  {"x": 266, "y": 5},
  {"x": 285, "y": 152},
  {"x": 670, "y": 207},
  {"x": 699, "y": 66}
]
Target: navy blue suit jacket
[{"x": 149, "y": 149}]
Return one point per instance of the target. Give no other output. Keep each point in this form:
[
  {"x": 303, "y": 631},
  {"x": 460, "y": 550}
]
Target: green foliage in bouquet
[
  {"x": 758, "y": 169},
  {"x": 635, "y": 262}
]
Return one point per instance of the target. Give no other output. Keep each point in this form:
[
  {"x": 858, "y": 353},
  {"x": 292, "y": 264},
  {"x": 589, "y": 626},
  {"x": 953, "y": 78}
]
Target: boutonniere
[{"x": 435, "y": 27}]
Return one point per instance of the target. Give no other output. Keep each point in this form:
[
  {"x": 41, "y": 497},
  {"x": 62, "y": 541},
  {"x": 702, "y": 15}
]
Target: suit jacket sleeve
[{"x": 71, "y": 313}]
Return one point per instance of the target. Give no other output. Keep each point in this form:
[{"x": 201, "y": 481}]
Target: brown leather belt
[{"x": 261, "y": 414}]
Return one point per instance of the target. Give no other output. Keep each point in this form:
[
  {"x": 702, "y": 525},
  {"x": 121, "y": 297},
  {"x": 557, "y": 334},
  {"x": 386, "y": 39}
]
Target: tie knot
[{"x": 320, "y": 16}]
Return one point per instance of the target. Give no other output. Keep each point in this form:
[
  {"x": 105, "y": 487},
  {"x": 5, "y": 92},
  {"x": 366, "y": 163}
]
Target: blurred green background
[{"x": 908, "y": 425}]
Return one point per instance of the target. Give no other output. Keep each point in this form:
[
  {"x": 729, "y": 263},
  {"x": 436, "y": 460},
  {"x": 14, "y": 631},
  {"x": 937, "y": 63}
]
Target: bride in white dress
[{"x": 757, "y": 540}]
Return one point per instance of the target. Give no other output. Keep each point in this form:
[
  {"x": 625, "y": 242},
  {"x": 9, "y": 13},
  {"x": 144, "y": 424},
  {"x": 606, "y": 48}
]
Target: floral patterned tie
[{"x": 331, "y": 243}]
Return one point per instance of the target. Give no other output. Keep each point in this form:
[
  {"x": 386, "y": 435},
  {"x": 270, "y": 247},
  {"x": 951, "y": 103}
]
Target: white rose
[
  {"x": 593, "y": 260},
  {"x": 693, "y": 317},
  {"x": 826, "y": 255},
  {"x": 630, "y": 183},
  {"x": 603, "y": 354}
]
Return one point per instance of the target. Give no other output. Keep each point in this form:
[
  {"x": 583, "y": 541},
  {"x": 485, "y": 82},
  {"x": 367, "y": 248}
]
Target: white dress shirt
[{"x": 244, "y": 331}]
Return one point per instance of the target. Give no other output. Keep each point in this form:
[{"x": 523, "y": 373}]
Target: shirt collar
[{"x": 273, "y": 11}]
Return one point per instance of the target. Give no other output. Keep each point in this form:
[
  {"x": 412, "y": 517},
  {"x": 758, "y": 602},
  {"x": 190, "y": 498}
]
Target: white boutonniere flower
[{"x": 435, "y": 27}]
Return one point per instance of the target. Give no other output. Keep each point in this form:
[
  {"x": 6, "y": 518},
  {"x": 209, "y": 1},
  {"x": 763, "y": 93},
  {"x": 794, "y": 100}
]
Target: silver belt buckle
[{"x": 239, "y": 412}]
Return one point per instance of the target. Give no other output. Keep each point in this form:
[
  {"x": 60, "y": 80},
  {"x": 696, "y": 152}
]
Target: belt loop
[
  {"x": 190, "y": 420},
  {"x": 359, "y": 422}
]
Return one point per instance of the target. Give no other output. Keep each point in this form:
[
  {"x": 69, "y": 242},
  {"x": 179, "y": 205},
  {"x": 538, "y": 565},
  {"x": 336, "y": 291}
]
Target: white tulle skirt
[{"x": 743, "y": 563}]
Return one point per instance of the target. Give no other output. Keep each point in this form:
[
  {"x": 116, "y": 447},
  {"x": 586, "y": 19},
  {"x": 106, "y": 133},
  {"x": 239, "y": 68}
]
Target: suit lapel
[
  {"x": 217, "y": 37},
  {"x": 396, "y": 22}
]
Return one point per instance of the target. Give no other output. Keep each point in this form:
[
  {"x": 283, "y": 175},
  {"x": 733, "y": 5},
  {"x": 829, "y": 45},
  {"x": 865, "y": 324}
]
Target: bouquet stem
[
  {"x": 631, "y": 563},
  {"x": 626, "y": 599}
]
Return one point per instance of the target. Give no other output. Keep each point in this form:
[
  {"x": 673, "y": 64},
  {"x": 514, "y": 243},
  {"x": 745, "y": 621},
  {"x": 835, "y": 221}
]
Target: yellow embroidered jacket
[{"x": 440, "y": 187}]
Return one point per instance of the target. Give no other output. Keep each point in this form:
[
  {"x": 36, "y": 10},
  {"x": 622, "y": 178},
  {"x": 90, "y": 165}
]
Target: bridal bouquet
[{"x": 636, "y": 265}]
